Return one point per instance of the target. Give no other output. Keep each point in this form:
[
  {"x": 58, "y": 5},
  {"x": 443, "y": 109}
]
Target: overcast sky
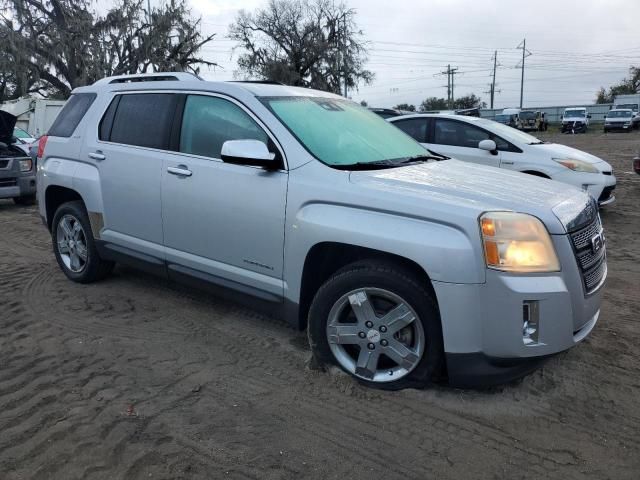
[{"x": 577, "y": 46}]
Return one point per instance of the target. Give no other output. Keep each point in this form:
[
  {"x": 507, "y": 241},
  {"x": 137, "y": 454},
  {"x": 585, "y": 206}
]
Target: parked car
[
  {"x": 17, "y": 170},
  {"x": 531, "y": 120},
  {"x": 22, "y": 139},
  {"x": 636, "y": 164},
  {"x": 403, "y": 267},
  {"x": 629, "y": 101},
  {"x": 387, "y": 112},
  {"x": 621, "y": 119},
  {"x": 575, "y": 120},
  {"x": 491, "y": 143},
  {"x": 507, "y": 119}
]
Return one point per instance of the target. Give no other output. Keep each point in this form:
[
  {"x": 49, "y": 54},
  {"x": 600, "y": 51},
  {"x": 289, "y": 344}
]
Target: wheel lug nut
[
  {"x": 383, "y": 329},
  {"x": 362, "y": 334},
  {"x": 369, "y": 324},
  {"x": 371, "y": 346},
  {"x": 384, "y": 343}
]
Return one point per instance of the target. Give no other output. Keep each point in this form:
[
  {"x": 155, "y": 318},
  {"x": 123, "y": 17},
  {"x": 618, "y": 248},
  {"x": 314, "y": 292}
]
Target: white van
[{"x": 575, "y": 120}]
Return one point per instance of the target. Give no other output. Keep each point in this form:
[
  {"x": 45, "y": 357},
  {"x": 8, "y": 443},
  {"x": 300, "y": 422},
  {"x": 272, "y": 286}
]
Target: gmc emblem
[{"x": 597, "y": 242}]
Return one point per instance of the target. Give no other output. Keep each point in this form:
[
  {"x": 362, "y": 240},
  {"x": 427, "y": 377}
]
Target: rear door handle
[
  {"x": 180, "y": 170},
  {"x": 97, "y": 155}
]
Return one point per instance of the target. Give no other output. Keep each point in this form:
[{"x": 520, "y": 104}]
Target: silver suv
[{"x": 405, "y": 267}]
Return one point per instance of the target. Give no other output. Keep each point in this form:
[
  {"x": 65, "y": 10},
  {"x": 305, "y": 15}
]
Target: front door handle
[
  {"x": 180, "y": 170},
  {"x": 97, "y": 155},
  {"x": 507, "y": 163}
]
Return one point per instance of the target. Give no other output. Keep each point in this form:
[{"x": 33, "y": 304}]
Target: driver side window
[
  {"x": 208, "y": 122},
  {"x": 458, "y": 134}
]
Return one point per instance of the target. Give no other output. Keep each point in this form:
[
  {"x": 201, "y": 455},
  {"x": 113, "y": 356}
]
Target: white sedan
[{"x": 486, "y": 142}]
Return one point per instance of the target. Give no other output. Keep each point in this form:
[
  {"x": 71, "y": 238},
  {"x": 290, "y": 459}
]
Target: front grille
[
  {"x": 606, "y": 193},
  {"x": 4, "y": 163},
  {"x": 592, "y": 265},
  {"x": 8, "y": 182}
]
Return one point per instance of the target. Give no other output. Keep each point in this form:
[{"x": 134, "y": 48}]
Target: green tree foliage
[
  {"x": 629, "y": 85},
  {"x": 311, "y": 43},
  {"x": 50, "y": 47},
  {"x": 468, "y": 101},
  {"x": 405, "y": 106}
]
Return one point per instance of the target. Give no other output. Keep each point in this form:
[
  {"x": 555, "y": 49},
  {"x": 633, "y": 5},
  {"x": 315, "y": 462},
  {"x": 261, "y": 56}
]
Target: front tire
[
  {"x": 378, "y": 322},
  {"x": 74, "y": 246}
]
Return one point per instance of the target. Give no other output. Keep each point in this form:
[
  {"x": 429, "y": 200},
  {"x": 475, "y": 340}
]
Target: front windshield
[
  {"x": 630, "y": 106},
  {"x": 502, "y": 118},
  {"x": 339, "y": 132},
  {"x": 619, "y": 114},
  {"x": 575, "y": 113},
  {"x": 510, "y": 134},
  {"x": 527, "y": 115},
  {"x": 19, "y": 133}
]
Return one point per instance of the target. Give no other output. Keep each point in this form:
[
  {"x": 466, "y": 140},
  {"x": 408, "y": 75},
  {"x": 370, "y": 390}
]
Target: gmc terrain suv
[{"x": 404, "y": 266}]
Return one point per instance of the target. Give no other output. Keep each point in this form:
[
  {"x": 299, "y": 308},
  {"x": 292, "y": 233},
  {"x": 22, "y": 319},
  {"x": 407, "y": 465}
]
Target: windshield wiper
[
  {"x": 423, "y": 158},
  {"x": 536, "y": 143},
  {"x": 378, "y": 165}
]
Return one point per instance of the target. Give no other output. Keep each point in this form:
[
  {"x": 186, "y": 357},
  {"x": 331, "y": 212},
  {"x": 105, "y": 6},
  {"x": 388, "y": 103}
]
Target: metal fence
[{"x": 553, "y": 114}]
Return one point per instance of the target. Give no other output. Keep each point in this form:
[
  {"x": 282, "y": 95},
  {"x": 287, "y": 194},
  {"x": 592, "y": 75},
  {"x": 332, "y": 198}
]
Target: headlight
[
  {"x": 576, "y": 165},
  {"x": 517, "y": 242},
  {"x": 25, "y": 165}
]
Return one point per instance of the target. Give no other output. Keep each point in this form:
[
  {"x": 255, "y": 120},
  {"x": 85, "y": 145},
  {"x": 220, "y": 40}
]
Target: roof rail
[
  {"x": 149, "y": 77},
  {"x": 266, "y": 82}
]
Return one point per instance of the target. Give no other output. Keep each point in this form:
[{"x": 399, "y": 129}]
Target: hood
[
  {"x": 466, "y": 185},
  {"x": 574, "y": 119},
  {"x": 7, "y": 124},
  {"x": 555, "y": 150}
]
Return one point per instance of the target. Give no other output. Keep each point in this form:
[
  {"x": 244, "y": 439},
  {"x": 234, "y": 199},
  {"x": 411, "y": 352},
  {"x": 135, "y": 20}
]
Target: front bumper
[
  {"x": 482, "y": 324},
  {"x": 17, "y": 186}
]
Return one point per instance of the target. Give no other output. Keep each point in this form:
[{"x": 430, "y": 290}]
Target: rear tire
[
  {"x": 379, "y": 323},
  {"x": 74, "y": 245},
  {"x": 25, "y": 200}
]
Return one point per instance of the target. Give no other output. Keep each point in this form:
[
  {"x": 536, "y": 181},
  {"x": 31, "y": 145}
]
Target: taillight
[{"x": 41, "y": 144}]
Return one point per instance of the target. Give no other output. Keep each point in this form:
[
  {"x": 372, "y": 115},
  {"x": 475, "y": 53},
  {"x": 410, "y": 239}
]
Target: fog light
[{"x": 530, "y": 322}]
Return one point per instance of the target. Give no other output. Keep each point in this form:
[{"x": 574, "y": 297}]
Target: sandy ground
[{"x": 134, "y": 378}]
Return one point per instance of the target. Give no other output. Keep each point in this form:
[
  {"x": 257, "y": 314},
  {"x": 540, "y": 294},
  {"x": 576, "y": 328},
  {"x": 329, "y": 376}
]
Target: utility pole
[
  {"x": 525, "y": 54},
  {"x": 452, "y": 72},
  {"x": 344, "y": 52},
  {"x": 493, "y": 83}
]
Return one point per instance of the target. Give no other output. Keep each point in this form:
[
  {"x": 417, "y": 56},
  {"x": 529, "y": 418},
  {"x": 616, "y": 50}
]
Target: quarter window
[
  {"x": 142, "y": 119},
  {"x": 71, "y": 114},
  {"x": 208, "y": 122}
]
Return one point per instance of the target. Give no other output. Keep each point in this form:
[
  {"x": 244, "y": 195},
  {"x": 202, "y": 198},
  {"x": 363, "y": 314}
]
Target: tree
[
  {"x": 469, "y": 101},
  {"x": 52, "y": 46},
  {"x": 405, "y": 106},
  {"x": 433, "y": 103},
  {"x": 310, "y": 43},
  {"x": 626, "y": 86}
]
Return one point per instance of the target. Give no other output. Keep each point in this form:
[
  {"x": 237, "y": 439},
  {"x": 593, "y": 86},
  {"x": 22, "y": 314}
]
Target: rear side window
[
  {"x": 73, "y": 111},
  {"x": 143, "y": 120}
]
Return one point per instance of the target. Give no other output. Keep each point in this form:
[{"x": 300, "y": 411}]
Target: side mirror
[
  {"x": 248, "y": 152},
  {"x": 588, "y": 116},
  {"x": 489, "y": 146}
]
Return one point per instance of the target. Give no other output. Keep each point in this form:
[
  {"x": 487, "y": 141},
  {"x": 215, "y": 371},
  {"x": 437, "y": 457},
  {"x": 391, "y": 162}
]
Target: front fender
[{"x": 446, "y": 253}]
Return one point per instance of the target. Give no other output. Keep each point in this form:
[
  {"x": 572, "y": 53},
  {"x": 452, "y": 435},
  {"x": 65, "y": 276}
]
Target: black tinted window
[
  {"x": 144, "y": 120},
  {"x": 208, "y": 122},
  {"x": 71, "y": 114},
  {"x": 458, "y": 134},
  {"x": 414, "y": 127}
]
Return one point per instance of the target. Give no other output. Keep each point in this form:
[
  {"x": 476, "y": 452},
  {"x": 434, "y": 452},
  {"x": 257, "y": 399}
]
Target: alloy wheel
[
  {"x": 375, "y": 335},
  {"x": 72, "y": 243}
]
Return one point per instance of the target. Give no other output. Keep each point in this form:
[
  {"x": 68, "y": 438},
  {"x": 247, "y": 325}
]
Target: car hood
[
  {"x": 7, "y": 124},
  {"x": 618, "y": 119},
  {"x": 555, "y": 150},
  {"x": 465, "y": 185},
  {"x": 574, "y": 119}
]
